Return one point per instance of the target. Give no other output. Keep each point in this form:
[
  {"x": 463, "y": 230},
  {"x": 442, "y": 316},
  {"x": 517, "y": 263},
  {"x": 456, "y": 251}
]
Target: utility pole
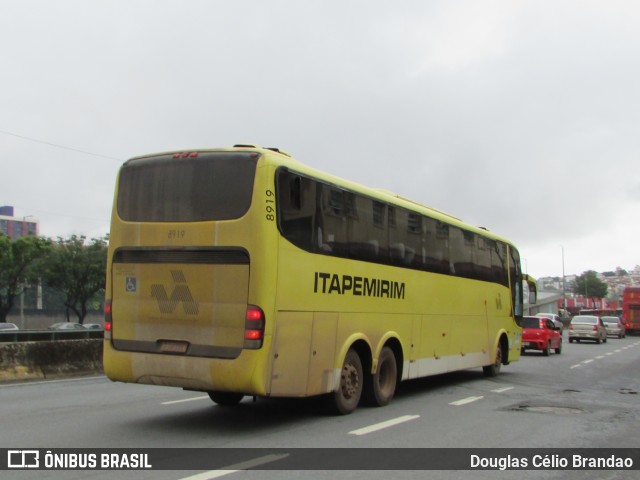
[{"x": 564, "y": 292}]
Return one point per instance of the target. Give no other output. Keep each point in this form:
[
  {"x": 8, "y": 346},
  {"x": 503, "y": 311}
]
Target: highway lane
[{"x": 585, "y": 397}]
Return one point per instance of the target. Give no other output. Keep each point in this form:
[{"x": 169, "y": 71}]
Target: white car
[{"x": 554, "y": 318}]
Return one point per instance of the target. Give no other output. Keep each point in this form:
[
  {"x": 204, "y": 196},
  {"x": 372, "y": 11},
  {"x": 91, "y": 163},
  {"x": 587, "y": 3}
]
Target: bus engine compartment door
[{"x": 185, "y": 302}]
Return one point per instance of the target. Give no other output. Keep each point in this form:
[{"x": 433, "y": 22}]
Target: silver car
[
  {"x": 587, "y": 327},
  {"x": 614, "y": 326},
  {"x": 66, "y": 326}
]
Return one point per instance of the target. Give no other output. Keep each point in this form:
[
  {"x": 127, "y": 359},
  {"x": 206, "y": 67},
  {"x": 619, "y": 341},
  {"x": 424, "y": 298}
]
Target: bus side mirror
[{"x": 533, "y": 289}]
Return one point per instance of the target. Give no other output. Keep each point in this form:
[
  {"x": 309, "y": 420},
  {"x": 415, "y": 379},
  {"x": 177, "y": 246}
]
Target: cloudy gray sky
[{"x": 520, "y": 116}]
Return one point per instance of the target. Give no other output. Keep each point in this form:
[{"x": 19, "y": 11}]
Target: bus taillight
[
  {"x": 108, "y": 319},
  {"x": 254, "y": 327}
]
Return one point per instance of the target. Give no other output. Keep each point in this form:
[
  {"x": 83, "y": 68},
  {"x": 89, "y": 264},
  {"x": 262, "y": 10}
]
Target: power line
[
  {"x": 59, "y": 146},
  {"x": 57, "y": 214}
]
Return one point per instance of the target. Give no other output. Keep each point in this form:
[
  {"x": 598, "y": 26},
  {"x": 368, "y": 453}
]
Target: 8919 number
[{"x": 270, "y": 205}]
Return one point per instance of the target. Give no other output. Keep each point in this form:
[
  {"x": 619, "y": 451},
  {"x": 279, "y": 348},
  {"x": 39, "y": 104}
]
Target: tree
[
  {"x": 76, "y": 269},
  {"x": 589, "y": 285},
  {"x": 17, "y": 262}
]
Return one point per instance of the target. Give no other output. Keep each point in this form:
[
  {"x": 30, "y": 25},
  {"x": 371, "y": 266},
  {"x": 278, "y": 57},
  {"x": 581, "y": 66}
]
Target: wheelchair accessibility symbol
[{"x": 131, "y": 284}]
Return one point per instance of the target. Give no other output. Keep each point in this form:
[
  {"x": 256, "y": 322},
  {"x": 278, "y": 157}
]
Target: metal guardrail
[{"x": 13, "y": 336}]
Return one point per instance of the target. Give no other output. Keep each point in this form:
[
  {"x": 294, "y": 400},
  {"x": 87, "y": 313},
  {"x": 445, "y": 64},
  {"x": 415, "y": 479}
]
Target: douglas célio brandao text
[{"x": 550, "y": 462}]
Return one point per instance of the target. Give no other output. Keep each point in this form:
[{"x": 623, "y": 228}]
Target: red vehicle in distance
[
  {"x": 631, "y": 309},
  {"x": 541, "y": 334}
]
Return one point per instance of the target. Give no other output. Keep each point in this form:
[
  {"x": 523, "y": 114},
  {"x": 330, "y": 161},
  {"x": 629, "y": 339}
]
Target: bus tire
[
  {"x": 381, "y": 386},
  {"x": 493, "y": 370},
  {"x": 226, "y": 398},
  {"x": 347, "y": 396}
]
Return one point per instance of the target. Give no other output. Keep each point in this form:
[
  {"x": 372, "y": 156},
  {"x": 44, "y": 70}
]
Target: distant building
[{"x": 16, "y": 227}]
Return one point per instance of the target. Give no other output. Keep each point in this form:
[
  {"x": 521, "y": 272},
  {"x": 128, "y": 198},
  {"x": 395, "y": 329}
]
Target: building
[{"x": 16, "y": 227}]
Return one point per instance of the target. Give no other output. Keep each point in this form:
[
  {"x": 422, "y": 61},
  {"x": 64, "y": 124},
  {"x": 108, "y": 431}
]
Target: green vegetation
[
  {"x": 589, "y": 285},
  {"x": 17, "y": 260},
  {"x": 71, "y": 274}
]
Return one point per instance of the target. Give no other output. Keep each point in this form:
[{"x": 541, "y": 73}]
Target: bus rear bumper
[{"x": 191, "y": 373}]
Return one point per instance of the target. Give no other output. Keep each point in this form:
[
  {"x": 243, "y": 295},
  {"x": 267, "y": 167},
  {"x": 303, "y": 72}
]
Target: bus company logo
[
  {"x": 180, "y": 294},
  {"x": 332, "y": 283},
  {"x": 23, "y": 459}
]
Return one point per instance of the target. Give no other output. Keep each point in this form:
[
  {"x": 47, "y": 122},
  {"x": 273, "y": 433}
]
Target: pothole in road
[
  {"x": 547, "y": 409},
  {"x": 628, "y": 391}
]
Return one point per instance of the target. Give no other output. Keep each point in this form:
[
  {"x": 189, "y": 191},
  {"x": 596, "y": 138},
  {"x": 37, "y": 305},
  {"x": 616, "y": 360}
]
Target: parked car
[
  {"x": 93, "y": 326},
  {"x": 587, "y": 327},
  {"x": 5, "y": 327},
  {"x": 66, "y": 326},
  {"x": 554, "y": 318},
  {"x": 541, "y": 334},
  {"x": 614, "y": 326}
]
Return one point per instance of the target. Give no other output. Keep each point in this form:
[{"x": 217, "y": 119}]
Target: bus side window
[
  {"x": 483, "y": 263},
  {"x": 516, "y": 282},
  {"x": 499, "y": 262},
  {"x": 295, "y": 209},
  {"x": 296, "y": 193},
  {"x": 363, "y": 245},
  {"x": 435, "y": 256},
  {"x": 398, "y": 237},
  {"x": 462, "y": 252}
]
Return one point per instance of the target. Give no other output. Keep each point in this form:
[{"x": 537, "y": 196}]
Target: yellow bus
[{"x": 242, "y": 271}]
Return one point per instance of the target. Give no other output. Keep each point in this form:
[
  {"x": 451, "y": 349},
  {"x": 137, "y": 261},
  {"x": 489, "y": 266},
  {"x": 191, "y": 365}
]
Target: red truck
[
  {"x": 541, "y": 334},
  {"x": 631, "y": 309}
]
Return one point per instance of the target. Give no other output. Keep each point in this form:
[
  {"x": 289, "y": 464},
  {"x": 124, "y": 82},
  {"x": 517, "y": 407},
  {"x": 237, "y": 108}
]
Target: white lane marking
[
  {"x": 464, "y": 401},
  {"x": 21, "y": 383},
  {"x": 588, "y": 361},
  {"x": 575, "y": 366},
  {"x": 599, "y": 357},
  {"x": 238, "y": 467},
  {"x": 381, "y": 425},
  {"x": 500, "y": 390},
  {"x": 184, "y": 400},
  {"x": 610, "y": 353},
  {"x": 618, "y": 350}
]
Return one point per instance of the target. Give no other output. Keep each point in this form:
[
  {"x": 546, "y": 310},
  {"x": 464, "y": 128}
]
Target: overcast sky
[{"x": 519, "y": 116}]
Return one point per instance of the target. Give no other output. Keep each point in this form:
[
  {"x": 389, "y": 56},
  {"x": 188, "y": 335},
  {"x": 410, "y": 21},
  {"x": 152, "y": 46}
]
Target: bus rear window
[{"x": 209, "y": 186}]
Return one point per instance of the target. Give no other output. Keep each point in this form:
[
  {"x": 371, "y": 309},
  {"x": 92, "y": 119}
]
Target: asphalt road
[{"x": 585, "y": 397}]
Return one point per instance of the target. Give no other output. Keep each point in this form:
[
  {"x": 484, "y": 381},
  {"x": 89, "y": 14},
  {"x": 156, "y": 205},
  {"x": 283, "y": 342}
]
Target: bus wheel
[
  {"x": 494, "y": 369},
  {"x": 347, "y": 396},
  {"x": 226, "y": 398},
  {"x": 382, "y": 385}
]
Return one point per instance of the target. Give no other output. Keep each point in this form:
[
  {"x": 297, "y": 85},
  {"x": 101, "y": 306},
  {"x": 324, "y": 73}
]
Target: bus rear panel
[{"x": 179, "y": 278}]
